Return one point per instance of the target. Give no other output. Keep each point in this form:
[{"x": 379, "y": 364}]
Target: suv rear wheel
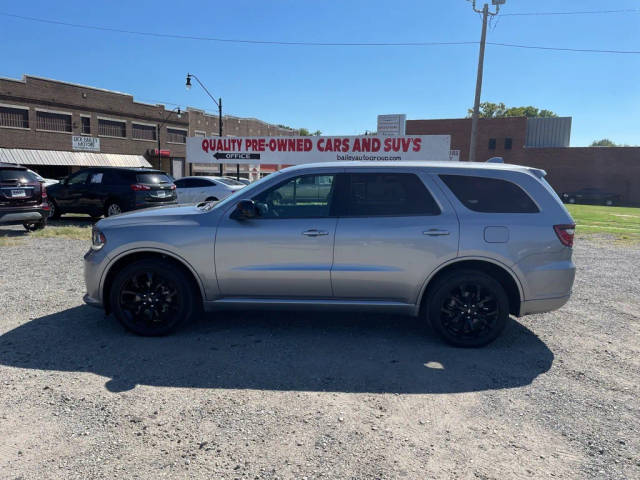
[
  {"x": 468, "y": 308},
  {"x": 112, "y": 208},
  {"x": 151, "y": 297}
]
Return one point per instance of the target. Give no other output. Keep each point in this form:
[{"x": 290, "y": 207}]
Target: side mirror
[{"x": 245, "y": 209}]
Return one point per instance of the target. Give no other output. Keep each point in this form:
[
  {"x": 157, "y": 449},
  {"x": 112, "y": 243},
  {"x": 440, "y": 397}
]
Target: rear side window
[
  {"x": 114, "y": 177},
  {"x": 489, "y": 195},
  {"x": 153, "y": 177},
  {"x": 389, "y": 194},
  {"x": 201, "y": 182},
  {"x": 17, "y": 175}
]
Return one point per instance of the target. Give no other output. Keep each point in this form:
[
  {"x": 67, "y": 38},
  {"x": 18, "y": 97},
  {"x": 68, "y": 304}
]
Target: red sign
[{"x": 163, "y": 153}]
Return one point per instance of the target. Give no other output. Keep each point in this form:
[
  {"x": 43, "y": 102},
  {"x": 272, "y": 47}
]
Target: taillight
[
  {"x": 173, "y": 187},
  {"x": 565, "y": 234},
  {"x": 44, "y": 191},
  {"x": 136, "y": 187}
]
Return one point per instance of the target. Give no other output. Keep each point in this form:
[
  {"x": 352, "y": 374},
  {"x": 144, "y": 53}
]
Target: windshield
[
  {"x": 231, "y": 182},
  {"x": 16, "y": 175},
  {"x": 241, "y": 193},
  {"x": 153, "y": 177}
]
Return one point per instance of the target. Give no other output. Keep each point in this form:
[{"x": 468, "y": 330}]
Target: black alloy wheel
[
  {"x": 112, "y": 208},
  {"x": 54, "y": 211},
  {"x": 151, "y": 297},
  {"x": 468, "y": 308}
]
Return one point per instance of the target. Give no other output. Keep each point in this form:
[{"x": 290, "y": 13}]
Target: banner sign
[
  {"x": 87, "y": 144},
  {"x": 299, "y": 150},
  {"x": 391, "y": 124}
]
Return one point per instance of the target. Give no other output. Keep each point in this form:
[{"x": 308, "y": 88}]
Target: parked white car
[
  {"x": 202, "y": 189},
  {"x": 45, "y": 181}
]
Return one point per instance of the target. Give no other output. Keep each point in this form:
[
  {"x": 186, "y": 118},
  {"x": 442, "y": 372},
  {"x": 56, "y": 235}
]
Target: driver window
[
  {"x": 307, "y": 196},
  {"x": 79, "y": 178}
]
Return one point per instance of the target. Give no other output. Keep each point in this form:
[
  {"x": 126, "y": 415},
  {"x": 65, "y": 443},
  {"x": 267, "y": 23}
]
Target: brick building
[
  {"x": 544, "y": 143},
  {"x": 43, "y": 116}
]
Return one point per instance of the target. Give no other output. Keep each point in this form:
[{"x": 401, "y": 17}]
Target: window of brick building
[
  {"x": 86, "y": 125},
  {"x": 56, "y": 122},
  {"x": 112, "y": 128},
  {"x": 176, "y": 135},
  {"x": 14, "y": 117},
  {"x": 508, "y": 143},
  {"x": 143, "y": 132},
  {"x": 492, "y": 144}
]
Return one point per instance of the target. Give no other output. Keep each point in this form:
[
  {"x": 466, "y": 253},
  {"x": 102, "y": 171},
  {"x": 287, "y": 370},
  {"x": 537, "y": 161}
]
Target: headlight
[{"x": 97, "y": 239}]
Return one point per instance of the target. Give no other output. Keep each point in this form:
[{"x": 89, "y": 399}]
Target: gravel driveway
[{"x": 298, "y": 395}]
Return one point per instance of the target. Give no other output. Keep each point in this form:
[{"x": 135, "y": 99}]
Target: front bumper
[{"x": 92, "y": 302}]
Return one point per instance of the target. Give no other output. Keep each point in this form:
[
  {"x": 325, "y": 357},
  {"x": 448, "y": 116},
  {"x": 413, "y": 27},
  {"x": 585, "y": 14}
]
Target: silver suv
[{"x": 461, "y": 245}]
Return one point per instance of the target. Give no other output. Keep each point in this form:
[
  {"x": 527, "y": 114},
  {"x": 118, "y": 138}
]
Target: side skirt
[{"x": 246, "y": 303}]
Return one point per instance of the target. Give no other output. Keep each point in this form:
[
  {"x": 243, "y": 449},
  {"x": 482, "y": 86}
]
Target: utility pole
[{"x": 476, "y": 104}]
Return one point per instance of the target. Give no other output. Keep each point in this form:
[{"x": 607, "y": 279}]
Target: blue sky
[{"x": 341, "y": 90}]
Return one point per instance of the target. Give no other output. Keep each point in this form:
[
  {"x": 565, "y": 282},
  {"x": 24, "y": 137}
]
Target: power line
[
  {"x": 588, "y": 12},
  {"x": 235, "y": 40},
  {"x": 559, "y": 49},
  {"x": 305, "y": 43}
]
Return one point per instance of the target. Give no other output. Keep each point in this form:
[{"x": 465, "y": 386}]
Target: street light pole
[
  {"x": 217, "y": 102},
  {"x": 160, "y": 124},
  {"x": 476, "y": 104}
]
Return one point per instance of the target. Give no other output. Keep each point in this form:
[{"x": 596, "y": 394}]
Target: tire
[
  {"x": 54, "y": 213},
  {"x": 32, "y": 227},
  {"x": 112, "y": 208},
  {"x": 151, "y": 297},
  {"x": 468, "y": 308}
]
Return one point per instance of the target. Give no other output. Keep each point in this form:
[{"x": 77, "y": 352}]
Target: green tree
[
  {"x": 304, "y": 132},
  {"x": 317, "y": 133},
  {"x": 499, "y": 110},
  {"x": 605, "y": 142}
]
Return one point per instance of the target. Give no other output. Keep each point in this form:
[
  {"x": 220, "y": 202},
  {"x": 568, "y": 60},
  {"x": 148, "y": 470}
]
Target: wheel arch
[
  {"x": 126, "y": 258},
  {"x": 497, "y": 270}
]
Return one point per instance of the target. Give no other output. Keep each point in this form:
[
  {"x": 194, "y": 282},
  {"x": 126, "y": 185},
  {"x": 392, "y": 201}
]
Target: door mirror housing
[{"x": 245, "y": 210}]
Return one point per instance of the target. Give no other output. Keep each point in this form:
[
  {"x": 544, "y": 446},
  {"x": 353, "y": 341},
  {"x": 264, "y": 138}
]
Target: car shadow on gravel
[{"x": 276, "y": 351}]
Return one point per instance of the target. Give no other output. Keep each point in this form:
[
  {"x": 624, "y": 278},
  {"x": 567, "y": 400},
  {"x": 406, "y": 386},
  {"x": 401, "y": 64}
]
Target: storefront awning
[{"x": 70, "y": 159}]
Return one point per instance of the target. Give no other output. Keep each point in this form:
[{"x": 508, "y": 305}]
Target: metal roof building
[{"x": 70, "y": 159}]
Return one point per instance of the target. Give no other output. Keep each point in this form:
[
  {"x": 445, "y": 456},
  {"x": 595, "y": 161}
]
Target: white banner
[
  {"x": 87, "y": 144},
  {"x": 299, "y": 150}
]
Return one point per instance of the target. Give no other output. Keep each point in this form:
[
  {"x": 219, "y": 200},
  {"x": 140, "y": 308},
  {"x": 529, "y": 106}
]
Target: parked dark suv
[
  {"x": 111, "y": 190},
  {"x": 23, "y": 199}
]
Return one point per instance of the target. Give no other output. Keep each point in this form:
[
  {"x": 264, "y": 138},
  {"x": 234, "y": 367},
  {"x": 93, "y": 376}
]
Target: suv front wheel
[
  {"x": 151, "y": 297},
  {"x": 468, "y": 308}
]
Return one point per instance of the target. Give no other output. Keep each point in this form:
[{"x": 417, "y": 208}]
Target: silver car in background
[{"x": 461, "y": 245}]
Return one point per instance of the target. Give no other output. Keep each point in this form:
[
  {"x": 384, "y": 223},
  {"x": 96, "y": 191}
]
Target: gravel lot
[{"x": 286, "y": 395}]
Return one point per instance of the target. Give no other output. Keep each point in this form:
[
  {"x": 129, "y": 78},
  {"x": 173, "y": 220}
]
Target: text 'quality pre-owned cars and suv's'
[
  {"x": 110, "y": 191},
  {"x": 23, "y": 198},
  {"x": 463, "y": 246}
]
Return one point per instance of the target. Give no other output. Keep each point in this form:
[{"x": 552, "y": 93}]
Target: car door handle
[
  {"x": 436, "y": 233},
  {"x": 314, "y": 233}
]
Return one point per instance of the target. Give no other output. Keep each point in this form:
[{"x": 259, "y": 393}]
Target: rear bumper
[
  {"x": 530, "y": 307},
  {"x": 17, "y": 216}
]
